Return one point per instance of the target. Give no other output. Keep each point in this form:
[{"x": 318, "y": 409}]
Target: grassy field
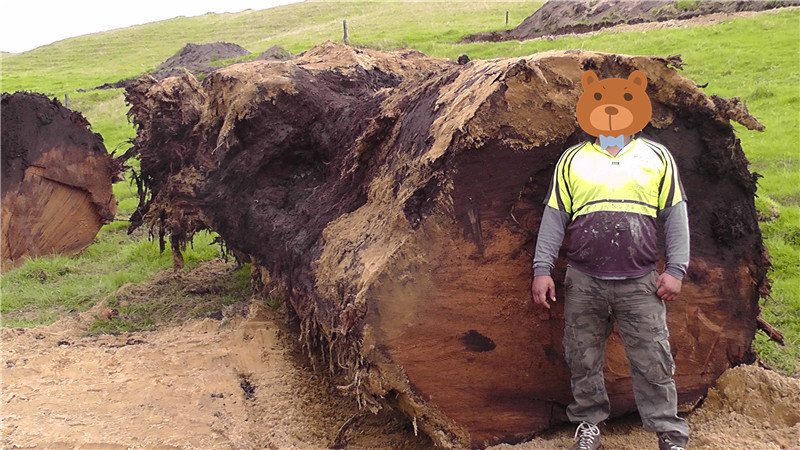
[{"x": 756, "y": 58}]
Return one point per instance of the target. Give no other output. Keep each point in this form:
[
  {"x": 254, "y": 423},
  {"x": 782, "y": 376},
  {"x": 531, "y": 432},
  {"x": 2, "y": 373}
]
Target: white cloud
[{"x": 28, "y": 24}]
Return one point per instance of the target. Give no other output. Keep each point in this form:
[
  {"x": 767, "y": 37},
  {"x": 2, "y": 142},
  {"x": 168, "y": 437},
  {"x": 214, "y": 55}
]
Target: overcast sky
[{"x": 27, "y": 24}]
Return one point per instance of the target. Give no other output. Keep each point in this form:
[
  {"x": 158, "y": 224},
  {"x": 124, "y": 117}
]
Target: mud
[{"x": 558, "y": 17}]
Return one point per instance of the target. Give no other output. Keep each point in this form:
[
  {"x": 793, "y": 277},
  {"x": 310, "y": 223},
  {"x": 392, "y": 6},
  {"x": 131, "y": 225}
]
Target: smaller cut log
[{"x": 57, "y": 177}]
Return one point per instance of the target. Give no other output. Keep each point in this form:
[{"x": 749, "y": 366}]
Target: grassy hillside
[{"x": 756, "y": 58}]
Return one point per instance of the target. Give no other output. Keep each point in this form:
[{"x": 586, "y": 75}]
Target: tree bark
[
  {"x": 393, "y": 200},
  {"x": 57, "y": 177}
]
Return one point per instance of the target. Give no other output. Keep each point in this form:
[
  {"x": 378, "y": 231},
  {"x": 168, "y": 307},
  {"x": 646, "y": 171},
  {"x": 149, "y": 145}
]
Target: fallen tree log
[
  {"x": 393, "y": 200},
  {"x": 57, "y": 177}
]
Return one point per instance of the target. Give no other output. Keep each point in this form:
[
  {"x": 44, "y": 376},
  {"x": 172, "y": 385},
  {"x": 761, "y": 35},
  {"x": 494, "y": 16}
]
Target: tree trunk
[
  {"x": 393, "y": 201},
  {"x": 57, "y": 177}
]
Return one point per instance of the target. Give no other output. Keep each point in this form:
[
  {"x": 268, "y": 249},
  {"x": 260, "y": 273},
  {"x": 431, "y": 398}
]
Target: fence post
[
  {"x": 346, "y": 38},
  {"x": 66, "y": 101},
  {"x": 506, "y": 17}
]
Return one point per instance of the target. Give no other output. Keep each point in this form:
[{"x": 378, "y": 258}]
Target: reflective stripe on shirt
[{"x": 641, "y": 179}]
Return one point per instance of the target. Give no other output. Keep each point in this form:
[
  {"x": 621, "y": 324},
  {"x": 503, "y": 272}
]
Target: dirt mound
[
  {"x": 749, "y": 408},
  {"x": 196, "y": 58},
  {"x": 756, "y": 393},
  {"x": 558, "y": 17},
  {"x": 276, "y": 52}
]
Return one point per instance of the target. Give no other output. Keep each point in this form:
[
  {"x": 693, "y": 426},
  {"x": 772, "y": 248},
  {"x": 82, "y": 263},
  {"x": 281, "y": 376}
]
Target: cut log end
[{"x": 57, "y": 177}]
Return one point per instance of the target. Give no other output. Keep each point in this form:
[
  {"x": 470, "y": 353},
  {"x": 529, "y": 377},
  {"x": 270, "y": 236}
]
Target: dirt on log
[
  {"x": 558, "y": 17},
  {"x": 57, "y": 177},
  {"x": 393, "y": 200}
]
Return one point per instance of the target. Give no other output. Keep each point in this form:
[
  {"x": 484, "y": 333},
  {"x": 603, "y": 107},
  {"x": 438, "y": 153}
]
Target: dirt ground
[
  {"x": 559, "y": 19},
  {"x": 700, "y": 21},
  {"x": 239, "y": 381}
]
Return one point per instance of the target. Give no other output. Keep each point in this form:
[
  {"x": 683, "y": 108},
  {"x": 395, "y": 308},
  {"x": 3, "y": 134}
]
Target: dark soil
[
  {"x": 276, "y": 52},
  {"x": 200, "y": 60},
  {"x": 568, "y": 17}
]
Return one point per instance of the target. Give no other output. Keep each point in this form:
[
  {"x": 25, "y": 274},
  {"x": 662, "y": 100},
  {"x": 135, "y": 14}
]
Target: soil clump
[{"x": 276, "y": 52}]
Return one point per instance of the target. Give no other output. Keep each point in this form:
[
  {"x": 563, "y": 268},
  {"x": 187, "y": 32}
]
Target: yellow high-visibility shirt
[
  {"x": 612, "y": 202},
  {"x": 641, "y": 179}
]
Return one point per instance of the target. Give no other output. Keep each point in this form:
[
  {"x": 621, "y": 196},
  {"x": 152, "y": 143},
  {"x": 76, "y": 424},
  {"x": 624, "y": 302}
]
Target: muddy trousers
[{"x": 592, "y": 306}]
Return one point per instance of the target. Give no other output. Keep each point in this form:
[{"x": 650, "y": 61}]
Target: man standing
[{"x": 608, "y": 194}]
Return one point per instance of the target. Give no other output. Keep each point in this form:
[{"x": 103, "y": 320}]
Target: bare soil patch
[
  {"x": 558, "y": 18},
  {"x": 241, "y": 382}
]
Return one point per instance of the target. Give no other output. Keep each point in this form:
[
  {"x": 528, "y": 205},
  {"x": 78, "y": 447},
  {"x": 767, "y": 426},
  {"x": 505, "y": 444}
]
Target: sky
[{"x": 27, "y": 24}]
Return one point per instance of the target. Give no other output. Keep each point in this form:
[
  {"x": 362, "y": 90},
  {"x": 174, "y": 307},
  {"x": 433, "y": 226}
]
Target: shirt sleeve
[
  {"x": 670, "y": 191},
  {"x": 676, "y": 237},
  {"x": 551, "y": 234},
  {"x": 559, "y": 196}
]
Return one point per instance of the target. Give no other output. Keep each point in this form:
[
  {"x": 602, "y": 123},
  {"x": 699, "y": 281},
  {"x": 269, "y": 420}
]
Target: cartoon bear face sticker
[{"x": 614, "y": 106}]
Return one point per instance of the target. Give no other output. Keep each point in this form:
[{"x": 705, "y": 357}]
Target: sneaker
[
  {"x": 588, "y": 436},
  {"x": 665, "y": 444}
]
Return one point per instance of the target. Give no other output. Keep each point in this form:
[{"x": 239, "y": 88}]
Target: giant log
[
  {"x": 56, "y": 179},
  {"x": 393, "y": 200}
]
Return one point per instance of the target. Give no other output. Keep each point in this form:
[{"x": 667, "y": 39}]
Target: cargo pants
[{"x": 592, "y": 305}]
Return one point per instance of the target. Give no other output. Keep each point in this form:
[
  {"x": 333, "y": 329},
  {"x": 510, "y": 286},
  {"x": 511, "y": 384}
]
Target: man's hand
[
  {"x": 543, "y": 288},
  {"x": 668, "y": 287}
]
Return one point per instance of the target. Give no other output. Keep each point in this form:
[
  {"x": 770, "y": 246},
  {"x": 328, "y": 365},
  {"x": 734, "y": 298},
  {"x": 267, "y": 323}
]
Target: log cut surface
[
  {"x": 393, "y": 200},
  {"x": 56, "y": 179}
]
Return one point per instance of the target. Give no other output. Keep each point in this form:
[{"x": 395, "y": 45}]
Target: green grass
[
  {"x": 756, "y": 58},
  {"x": 88, "y": 61},
  {"x": 174, "y": 300},
  {"x": 43, "y": 288}
]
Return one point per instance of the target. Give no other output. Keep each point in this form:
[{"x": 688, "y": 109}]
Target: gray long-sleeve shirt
[
  {"x": 610, "y": 205},
  {"x": 676, "y": 230}
]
